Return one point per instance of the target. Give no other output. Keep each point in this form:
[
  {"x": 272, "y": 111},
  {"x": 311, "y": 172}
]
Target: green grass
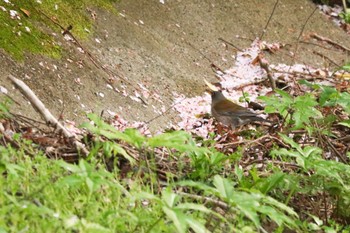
[
  {"x": 41, "y": 195},
  {"x": 17, "y": 41}
]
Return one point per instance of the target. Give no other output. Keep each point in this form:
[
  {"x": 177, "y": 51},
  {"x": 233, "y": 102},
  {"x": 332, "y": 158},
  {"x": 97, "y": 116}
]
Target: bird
[{"x": 230, "y": 114}]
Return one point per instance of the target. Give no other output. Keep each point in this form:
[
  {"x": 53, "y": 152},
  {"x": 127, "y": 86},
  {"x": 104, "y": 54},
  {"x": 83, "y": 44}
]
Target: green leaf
[
  {"x": 345, "y": 123},
  {"x": 134, "y": 137},
  {"x": 291, "y": 153},
  {"x": 290, "y": 141},
  {"x": 113, "y": 149},
  {"x": 224, "y": 186},
  {"x": 177, "y": 217},
  {"x": 196, "y": 226},
  {"x": 271, "y": 182},
  {"x": 131, "y": 136},
  {"x": 280, "y": 103},
  {"x": 198, "y": 185},
  {"x": 71, "y": 181},
  {"x": 310, "y": 151},
  {"x": 275, "y": 212},
  {"x": 176, "y": 139},
  {"x": 89, "y": 226},
  {"x": 271, "y": 201},
  {"x": 170, "y": 198},
  {"x": 192, "y": 206},
  {"x": 332, "y": 97},
  {"x": 248, "y": 204},
  {"x": 69, "y": 167},
  {"x": 90, "y": 184},
  {"x": 11, "y": 168},
  {"x": 304, "y": 110},
  {"x": 344, "y": 101},
  {"x": 217, "y": 158}
]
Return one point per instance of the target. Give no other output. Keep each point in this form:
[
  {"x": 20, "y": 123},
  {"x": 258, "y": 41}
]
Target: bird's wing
[
  {"x": 228, "y": 108},
  {"x": 239, "y": 113},
  {"x": 226, "y": 104}
]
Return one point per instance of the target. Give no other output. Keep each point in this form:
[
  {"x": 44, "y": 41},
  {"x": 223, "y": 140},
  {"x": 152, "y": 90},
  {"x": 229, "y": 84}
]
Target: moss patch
[{"x": 25, "y": 26}]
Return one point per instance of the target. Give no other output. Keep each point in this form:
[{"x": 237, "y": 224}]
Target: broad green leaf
[
  {"x": 176, "y": 139},
  {"x": 304, "y": 110},
  {"x": 89, "y": 226},
  {"x": 280, "y": 205},
  {"x": 177, "y": 217},
  {"x": 100, "y": 127},
  {"x": 277, "y": 216},
  {"x": 71, "y": 181},
  {"x": 248, "y": 204},
  {"x": 224, "y": 186},
  {"x": 271, "y": 182},
  {"x": 311, "y": 151},
  {"x": 198, "y": 185},
  {"x": 170, "y": 198},
  {"x": 346, "y": 67},
  {"x": 83, "y": 166},
  {"x": 134, "y": 137},
  {"x": 196, "y": 226},
  {"x": 344, "y": 101},
  {"x": 11, "y": 168},
  {"x": 192, "y": 206},
  {"x": 328, "y": 96},
  {"x": 90, "y": 184},
  {"x": 290, "y": 141},
  {"x": 278, "y": 104},
  {"x": 69, "y": 167},
  {"x": 239, "y": 172},
  {"x": 113, "y": 149},
  {"x": 345, "y": 123},
  {"x": 298, "y": 157}
]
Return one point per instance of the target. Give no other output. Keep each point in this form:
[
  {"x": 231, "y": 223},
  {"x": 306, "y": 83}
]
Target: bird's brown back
[{"x": 226, "y": 107}]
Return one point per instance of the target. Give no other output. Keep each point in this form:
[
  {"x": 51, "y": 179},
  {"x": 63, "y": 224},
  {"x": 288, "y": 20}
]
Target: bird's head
[{"x": 216, "y": 94}]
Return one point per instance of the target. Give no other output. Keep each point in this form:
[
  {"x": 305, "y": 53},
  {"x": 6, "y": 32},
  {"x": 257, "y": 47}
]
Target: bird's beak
[{"x": 211, "y": 87}]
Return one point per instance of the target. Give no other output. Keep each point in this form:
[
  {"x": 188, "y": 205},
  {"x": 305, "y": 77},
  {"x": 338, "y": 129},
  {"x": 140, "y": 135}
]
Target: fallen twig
[
  {"x": 219, "y": 203},
  {"x": 265, "y": 65},
  {"x": 325, "y": 57},
  {"x": 329, "y": 41},
  {"x": 301, "y": 33},
  {"x": 268, "y": 21},
  {"x": 45, "y": 113},
  {"x": 229, "y": 43}
]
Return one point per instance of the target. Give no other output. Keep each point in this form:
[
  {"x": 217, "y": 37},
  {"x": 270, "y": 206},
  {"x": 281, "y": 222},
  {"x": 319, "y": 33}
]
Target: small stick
[
  {"x": 301, "y": 33},
  {"x": 318, "y": 45},
  {"x": 264, "y": 65},
  {"x": 10, "y": 98},
  {"x": 44, "y": 112},
  {"x": 268, "y": 21},
  {"x": 329, "y": 41},
  {"x": 219, "y": 203},
  {"x": 229, "y": 43},
  {"x": 249, "y": 84},
  {"x": 327, "y": 58}
]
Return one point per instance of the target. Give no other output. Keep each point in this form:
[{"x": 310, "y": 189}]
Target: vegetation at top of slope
[{"x": 32, "y": 26}]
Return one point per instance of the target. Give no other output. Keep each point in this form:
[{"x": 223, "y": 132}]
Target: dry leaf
[{"x": 26, "y": 12}]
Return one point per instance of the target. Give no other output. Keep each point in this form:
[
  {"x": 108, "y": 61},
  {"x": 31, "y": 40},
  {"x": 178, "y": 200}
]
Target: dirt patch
[{"x": 168, "y": 48}]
